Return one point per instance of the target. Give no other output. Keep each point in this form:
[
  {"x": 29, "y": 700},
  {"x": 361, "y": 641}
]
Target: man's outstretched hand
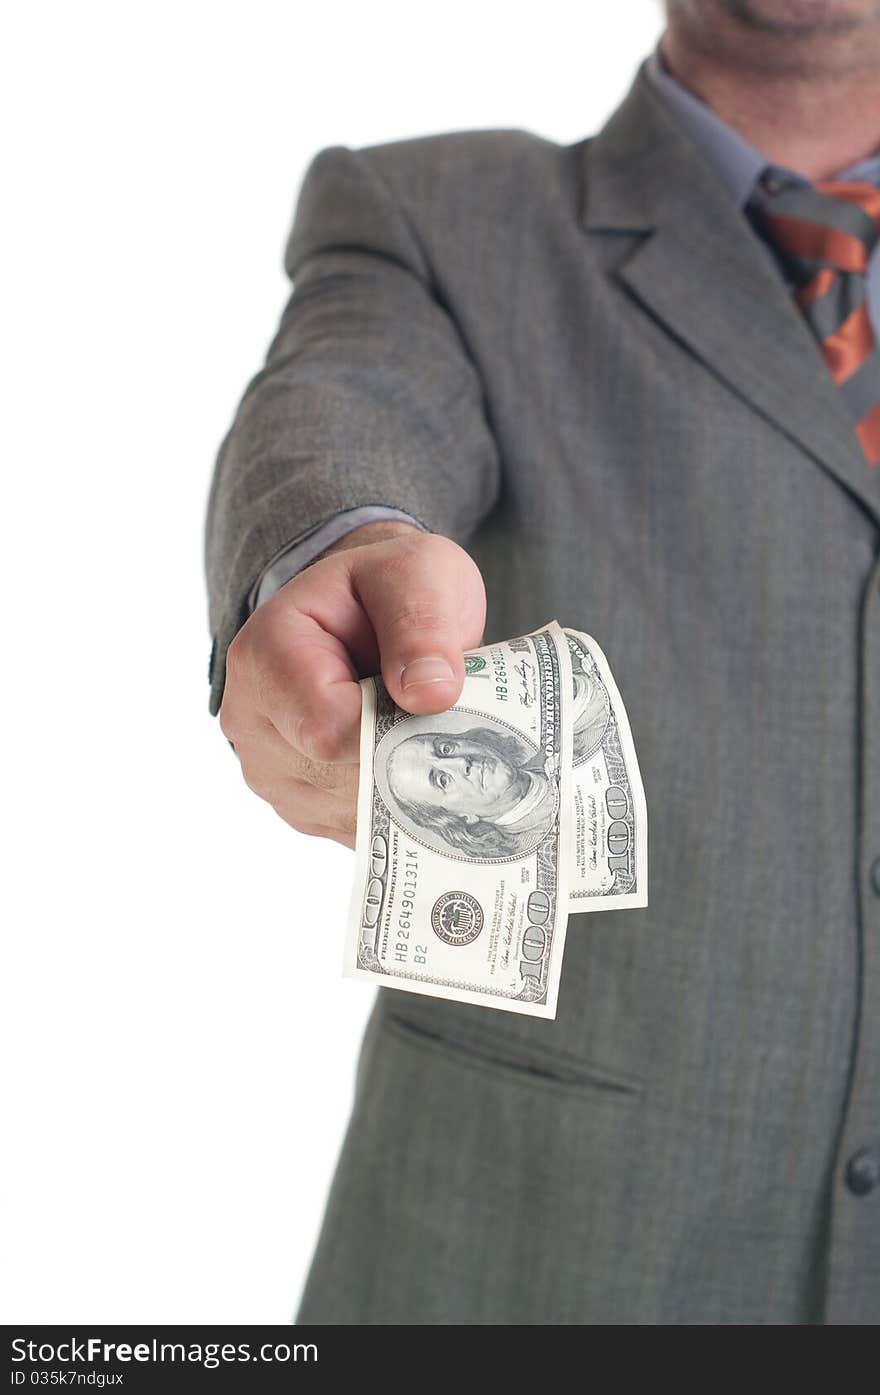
[{"x": 386, "y": 597}]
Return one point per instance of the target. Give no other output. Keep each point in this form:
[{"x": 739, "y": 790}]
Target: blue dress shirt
[{"x": 739, "y": 165}]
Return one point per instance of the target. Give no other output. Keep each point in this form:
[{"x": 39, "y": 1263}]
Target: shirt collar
[{"x": 737, "y": 163}]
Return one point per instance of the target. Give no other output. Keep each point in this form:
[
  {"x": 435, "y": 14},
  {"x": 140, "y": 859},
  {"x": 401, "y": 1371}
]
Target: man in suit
[{"x": 655, "y": 350}]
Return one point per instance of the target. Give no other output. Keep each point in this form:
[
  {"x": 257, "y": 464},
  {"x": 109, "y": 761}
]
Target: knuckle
[
  {"x": 421, "y": 615},
  {"x": 309, "y": 829},
  {"x": 447, "y": 557},
  {"x": 298, "y": 819},
  {"x": 260, "y": 656},
  {"x": 259, "y": 782},
  {"x": 302, "y": 815},
  {"x": 281, "y": 669},
  {"x": 227, "y": 721},
  {"x": 409, "y": 557},
  {"x": 322, "y": 775},
  {"x": 320, "y": 743},
  {"x": 427, "y": 555},
  {"x": 439, "y": 553},
  {"x": 238, "y": 656}
]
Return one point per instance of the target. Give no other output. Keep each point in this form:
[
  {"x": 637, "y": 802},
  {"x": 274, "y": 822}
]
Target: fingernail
[{"x": 433, "y": 670}]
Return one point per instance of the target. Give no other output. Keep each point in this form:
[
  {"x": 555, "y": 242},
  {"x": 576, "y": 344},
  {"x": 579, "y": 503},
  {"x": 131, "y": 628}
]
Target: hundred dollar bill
[
  {"x": 610, "y": 841},
  {"x": 464, "y": 834}
]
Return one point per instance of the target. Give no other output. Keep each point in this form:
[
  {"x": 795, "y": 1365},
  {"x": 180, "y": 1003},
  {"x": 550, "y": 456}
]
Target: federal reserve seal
[{"x": 457, "y": 918}]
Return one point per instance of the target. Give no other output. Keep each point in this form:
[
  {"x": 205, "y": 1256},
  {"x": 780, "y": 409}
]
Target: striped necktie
[{"x": 823, "y": 235}]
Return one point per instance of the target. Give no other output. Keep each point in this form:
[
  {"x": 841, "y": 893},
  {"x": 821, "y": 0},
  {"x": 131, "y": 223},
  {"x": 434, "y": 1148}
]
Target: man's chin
[{"x": 803, "y": 18}]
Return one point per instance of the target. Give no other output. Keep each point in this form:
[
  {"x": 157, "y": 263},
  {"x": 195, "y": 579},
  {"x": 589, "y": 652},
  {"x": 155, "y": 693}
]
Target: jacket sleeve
[
  {"x": 310, "y": 545},
  {"x": 367, "y": 396}
]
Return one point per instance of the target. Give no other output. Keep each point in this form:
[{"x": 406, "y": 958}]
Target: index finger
[{"x": 307, "y": 686}]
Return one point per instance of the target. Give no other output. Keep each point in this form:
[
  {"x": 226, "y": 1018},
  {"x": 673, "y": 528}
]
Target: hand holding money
[
  {"x": 481, "y": 827},
  {"x": 394, "y": 599},
  {"x": 388, "y": 598}
]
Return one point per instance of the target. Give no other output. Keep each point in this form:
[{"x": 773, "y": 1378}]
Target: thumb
[{"x": 425, "y": 599}]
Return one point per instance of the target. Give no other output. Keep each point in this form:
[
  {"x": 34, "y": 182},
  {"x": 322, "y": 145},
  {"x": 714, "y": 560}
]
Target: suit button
[
  {"x": 875, "y": 875},
  {"x": 863, "y": 1172}
]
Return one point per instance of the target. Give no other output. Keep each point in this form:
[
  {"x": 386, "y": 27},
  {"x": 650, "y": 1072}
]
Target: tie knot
[{"x": 828, "y": 224}]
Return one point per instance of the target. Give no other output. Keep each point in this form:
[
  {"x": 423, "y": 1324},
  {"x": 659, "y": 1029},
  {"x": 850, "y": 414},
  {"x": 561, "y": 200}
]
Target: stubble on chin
[
  {"x": 795, "y": 18},
  {"x": 826, "y": 40}
]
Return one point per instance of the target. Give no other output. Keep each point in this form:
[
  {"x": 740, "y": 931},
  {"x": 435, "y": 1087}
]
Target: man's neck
[{"x": 816, "y": 124}]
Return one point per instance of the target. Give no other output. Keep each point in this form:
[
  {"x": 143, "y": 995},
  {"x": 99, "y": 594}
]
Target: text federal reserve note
[
  {"x": 610, "y": 840},
  {"x": 464, "y": 830}
]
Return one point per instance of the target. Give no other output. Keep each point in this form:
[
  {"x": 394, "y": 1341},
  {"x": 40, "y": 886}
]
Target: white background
[{"x": 178, "y": 1046}]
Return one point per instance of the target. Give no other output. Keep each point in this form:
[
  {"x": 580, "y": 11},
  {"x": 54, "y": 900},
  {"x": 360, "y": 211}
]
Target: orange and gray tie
[{"x": 823, "y": 235}]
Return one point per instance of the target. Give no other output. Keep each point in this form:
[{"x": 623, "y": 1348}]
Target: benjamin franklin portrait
[{"x": 465, "y": 786}]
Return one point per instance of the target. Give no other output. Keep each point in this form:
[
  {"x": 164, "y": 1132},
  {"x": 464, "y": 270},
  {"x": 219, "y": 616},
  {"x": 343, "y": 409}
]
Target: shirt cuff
[{"x": 302, "y": 550}]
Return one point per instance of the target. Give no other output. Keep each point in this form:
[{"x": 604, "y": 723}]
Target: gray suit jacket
[{"x": 580, "y": 362}]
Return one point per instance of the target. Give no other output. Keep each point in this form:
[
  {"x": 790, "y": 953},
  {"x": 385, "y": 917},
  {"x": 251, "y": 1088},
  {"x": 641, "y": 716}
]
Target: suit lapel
[{"x": 707, "y": 277}]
